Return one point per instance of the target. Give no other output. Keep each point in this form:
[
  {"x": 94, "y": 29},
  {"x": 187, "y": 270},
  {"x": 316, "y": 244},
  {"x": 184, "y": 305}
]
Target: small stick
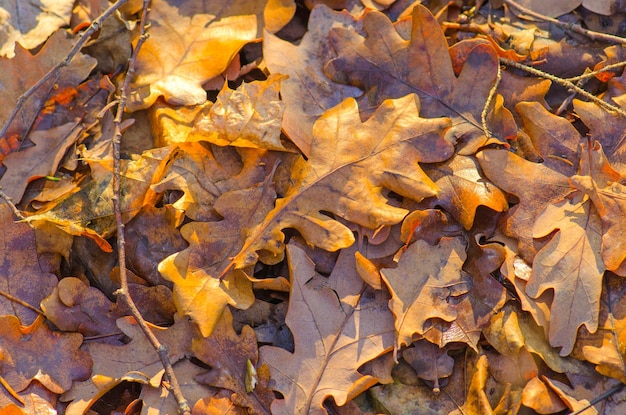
[
  {"x": 123, "y": 292},
  {"x": 601, "y": 37},
  {"x": 492, "y": 93},
  {"x": 55, "y": 72},
  {"x": 567, "y": 84}
]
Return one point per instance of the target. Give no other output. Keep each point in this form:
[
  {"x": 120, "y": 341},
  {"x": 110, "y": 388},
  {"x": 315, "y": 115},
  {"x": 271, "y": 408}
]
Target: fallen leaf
[
  {"x": 424, "y": 286},
  {"x": 308, "y": 92},
  {"x": 346, "y": 175},
  {"x": 569, "y": 264},
  {"x": 36, "y": 353},
  {"x": 173, "y": 61},
  {"x": 227, "y": 353},
  {"x": 135, "y": 361},
  {"x": 250, "y": 116},
  {"x": 30, "y": 24},
  {"x": 337, "y": 326},
  {"x": 20, "y": 269},
  {"x": 463, "y": 189},
  {"x": 198, "y": 289},
  {"x": 386, "y": 66},
  {"x": 430, "y": 362}
]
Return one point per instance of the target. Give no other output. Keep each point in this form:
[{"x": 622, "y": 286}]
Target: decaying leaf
[
  {"x": 350, "y": 164},
  {"x": 337, "y": 326}
]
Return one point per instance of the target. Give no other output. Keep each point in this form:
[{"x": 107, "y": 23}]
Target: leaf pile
[{"x": 340, "y": 207}]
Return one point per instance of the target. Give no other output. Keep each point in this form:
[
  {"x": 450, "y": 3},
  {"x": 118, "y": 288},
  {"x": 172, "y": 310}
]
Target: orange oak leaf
[
  {"x": 205, "y": 172},
  {"x": 463, "y": 189},
  {"x": 337, "y": 325},
  {"x": 21, "y": 273},
  {"x": 249, "y": 116},
  {"x": 350, "y": 163},
  {"x": 173, "y": 61},
  {"x": 36, "y": 353},
  {"x": 387, "y": 66},
  {"x": 308, "y": 92},
  {"x": 198, "y": 289},
  {"x": 136, "y": 361},
  {"x": 570, "y": 264},
  {"x": 533, "y": 183},
  {"x": 425, "y": 285},
  {"x": 606, "y": 348},
  {"x": 604, "y": 186},
  {"x": 228, "y": 353}
]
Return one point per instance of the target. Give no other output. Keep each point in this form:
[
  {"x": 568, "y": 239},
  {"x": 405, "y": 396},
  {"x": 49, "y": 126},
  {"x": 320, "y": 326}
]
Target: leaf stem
[{"x": 123, "y": 292}]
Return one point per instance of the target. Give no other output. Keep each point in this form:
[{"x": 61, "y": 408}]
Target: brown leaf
[
  {"x": 430, "y": 362},
  {"x": 424, "y": 286},
  {"x": 569, "y": 264},
  {"x": 250, "y": 116},
  {"x": 74, "y": 306},
  {"x": 204, "y": 173},
  {"x": 14, "y": 83},
  {"x": 463, "y": 189},
  {"x": 227, "y": 353},
  {"x": 35, "y": 352},
  {"x": 308, "y": 92},
  {"x": 337, "y": 326},
  {"x": 606, "y": 348},
  {"x": 534, "y": 184},
  {"x": 387, "y": 66},
  {"x": 30, "y": 24},
  {"x": 136, "y": 361},
  {"x": 20, "y": 269},
  {"x": 173, "y": 61},
  {"x": 195, "y": 272},
  {"x": 350, "y": 164}
]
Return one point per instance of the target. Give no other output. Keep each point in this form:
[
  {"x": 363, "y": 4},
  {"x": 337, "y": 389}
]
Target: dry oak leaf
[
  {"x": 349, "y": 165},
  {"x": 424, "y": 284},
  {"x": 430, "y": 362},
  {"x": 386, "y": 66},
  {"x": 606, "y": 348},
  {"x": 463, "y": 188},
  {"x": 338, "y": 324},
  {"x": 249, "y": 116},
  {"x": 195, "y": 272},
  {"x": 227, "y": 353},
  {"x": 89, "y": 211},
  {"x": 571, "y": 265},
  {"x": 14, "y": 80},
  {"x": 161, "y": 400},
  {"x": 76, "y": 307},
  {"x": 21, "y": 274},
  {"x": 30, "y": 23},
  {"x": 36, "y": 353},
  {"x": 135, "y": 361},
  {"x": 205, "y": 172},
  {"x": 605, "y": 187},
  {"x": 39, "y": 160},
  {"x": 533, "y": 183},
  {"x": 308, "y": 92},
  {"x": 188, "y": 46}
]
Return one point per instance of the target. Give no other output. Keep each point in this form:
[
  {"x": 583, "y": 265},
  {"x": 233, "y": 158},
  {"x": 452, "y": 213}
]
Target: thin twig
[
  {"x": 123, "y": 292},
  {"x": 492, "y": 93},
  {"x": 601, "y": 37},
  {"x": 21, "y": 302},
  {"x": 55, "y": 72},
  {"x": 9, "y": 202},
  {"x": 605, "y": 395},
  {"x": 566, "y": 84}
]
